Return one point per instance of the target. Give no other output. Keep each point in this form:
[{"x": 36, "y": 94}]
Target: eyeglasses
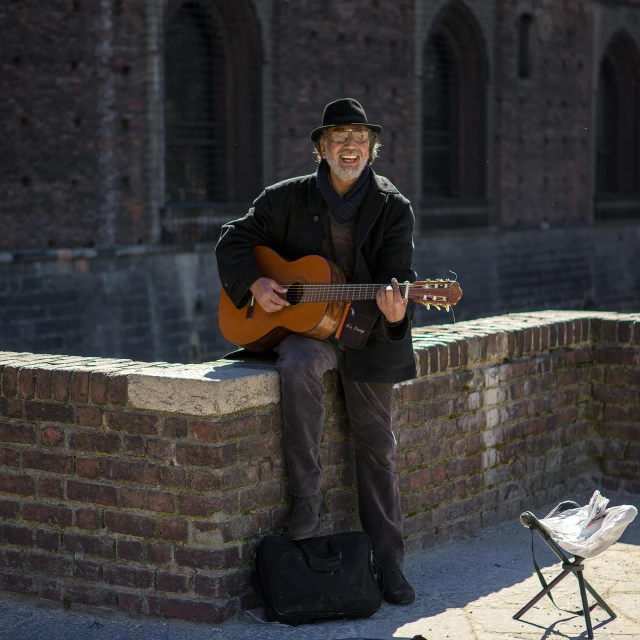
[{"x": 342, "y": 135}]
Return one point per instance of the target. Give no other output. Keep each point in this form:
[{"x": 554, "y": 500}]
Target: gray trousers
[{"x": 301, "y": 364}]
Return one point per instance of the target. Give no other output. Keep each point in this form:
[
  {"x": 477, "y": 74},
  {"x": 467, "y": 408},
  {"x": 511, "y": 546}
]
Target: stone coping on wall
[{"x": 223, "y": 387}]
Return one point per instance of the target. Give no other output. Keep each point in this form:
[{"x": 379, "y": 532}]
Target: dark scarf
[{"x": 343, "y": 209}]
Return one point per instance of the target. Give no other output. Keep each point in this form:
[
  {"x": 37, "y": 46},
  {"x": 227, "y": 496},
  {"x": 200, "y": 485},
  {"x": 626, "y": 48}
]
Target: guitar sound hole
[{"x": 294, "y": 293}]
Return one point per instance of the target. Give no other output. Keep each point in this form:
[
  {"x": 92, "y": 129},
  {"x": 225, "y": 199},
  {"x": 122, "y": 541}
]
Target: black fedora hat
[{"x": 342, "y": 112}]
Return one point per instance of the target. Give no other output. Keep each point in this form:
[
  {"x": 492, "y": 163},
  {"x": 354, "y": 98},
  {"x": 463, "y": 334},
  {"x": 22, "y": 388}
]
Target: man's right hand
[{"x": 265, "y": 291}]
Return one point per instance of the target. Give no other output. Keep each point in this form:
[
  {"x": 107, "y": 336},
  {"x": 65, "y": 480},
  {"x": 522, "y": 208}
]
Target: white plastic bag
[{"x": 591, "y": 529}]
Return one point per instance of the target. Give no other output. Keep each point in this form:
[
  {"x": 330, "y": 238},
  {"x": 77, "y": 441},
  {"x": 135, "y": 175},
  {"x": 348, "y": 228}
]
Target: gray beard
[{"x": 345, "y": 173}]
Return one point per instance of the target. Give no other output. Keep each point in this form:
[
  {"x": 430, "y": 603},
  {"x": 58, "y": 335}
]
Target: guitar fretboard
[{"x": 337, "y": 292}]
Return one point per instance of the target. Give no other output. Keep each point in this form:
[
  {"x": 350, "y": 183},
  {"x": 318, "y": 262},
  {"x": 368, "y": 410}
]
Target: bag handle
[{"x": 329, "y": 562}]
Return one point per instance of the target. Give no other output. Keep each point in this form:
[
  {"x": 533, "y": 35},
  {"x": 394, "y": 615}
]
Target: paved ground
[{"x": 468, "y": 590}]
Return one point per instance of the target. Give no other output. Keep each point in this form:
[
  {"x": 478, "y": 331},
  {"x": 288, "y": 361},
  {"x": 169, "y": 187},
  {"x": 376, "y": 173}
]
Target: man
[{"x": 359, "y": 220}]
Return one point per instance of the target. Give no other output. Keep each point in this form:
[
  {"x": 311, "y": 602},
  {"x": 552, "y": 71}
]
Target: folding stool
[{"x": 574, "y": 566}]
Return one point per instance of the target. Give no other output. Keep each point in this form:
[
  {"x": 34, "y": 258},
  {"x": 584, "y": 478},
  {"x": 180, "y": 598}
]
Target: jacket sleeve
[
  {"x": 394, "y": 261},
  {"x": 237, "y": 265}
]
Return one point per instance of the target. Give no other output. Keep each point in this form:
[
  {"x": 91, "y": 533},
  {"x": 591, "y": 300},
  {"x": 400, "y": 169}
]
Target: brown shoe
[
  {"x": 305, "y": 518},
  {"x": 394, "y": 587}
]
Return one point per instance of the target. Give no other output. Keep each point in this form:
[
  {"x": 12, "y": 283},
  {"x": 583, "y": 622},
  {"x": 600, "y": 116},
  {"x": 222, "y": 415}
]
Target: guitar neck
[{"x": 338, "y": 292}]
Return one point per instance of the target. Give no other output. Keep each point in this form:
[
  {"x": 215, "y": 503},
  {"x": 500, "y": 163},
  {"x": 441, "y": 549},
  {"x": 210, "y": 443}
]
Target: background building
[{"x": 132, "y": 129}]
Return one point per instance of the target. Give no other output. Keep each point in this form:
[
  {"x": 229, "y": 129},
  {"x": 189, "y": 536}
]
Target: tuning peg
[
  {"x": 448, "y": 307},
  {"x": 428, "y": 306}
]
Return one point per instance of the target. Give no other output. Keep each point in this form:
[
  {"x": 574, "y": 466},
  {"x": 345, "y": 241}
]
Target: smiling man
[{"x": 357, "y": 219}]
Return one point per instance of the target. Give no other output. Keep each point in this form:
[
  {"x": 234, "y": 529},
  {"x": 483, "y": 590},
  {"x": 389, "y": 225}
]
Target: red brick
[
  {"x": 92, "y": 545},
  {"x": 132, "y": 422},
  {"x": 60, "y": 382},
  {"x": 175, "y": 428},
  {"x": 51, "y": 436},
  {"x": 9, "y": 381},
  {"x": 215, "y": 432},
  {"x": 98, "y": 388},
  {"x": 46, "y": 563},
  {"x": 125, "y": 576},
  {"x": 134, "y": 446},
  {"x": 9, "y": 509},
  {"x": 161, "y": 501},
  {"x": 48, "y": 412},
  {"x": 202, "y": 455},
  {"x": 11, "y": 408},
  {"x": 117, "y": 392},
  {"x": 9, "y": 457},
  {"x": 91, "y": 596},
  {"x": 204, "y": 560},
  {"x": 160, "y": 450},
  {"x": 159, "y": 554},
  {"x": 80, "y": 387},
  {"x": 133, "y": 498},
  {"x": 10, "y": 559},
  {"x": 18, "y": 433},
  {"x": 260, "y": 496},
  {"x": 90, "y": 492},
  {"x": 140, "y": 526},
  {"x": 176, "y": 530},
  {"x": 222, "y": 586},
  {"x": 43, "y": 384},
  {"x": 130, "y": 603},
  {"x": 141, "y": 472},
  {"x": 129, "y": 550},
  {"x": 88, "y": 467},
  {"x": 173, "y": 477},
  {"x": 88, "y": 519},
  {"x": 203, "y": 481},
  {"x": 195, "y": 506},
  {"x": 89, "y": 416},
  {"x": 26, "y": 383},
  {"x": 13, "y": 534},
  {"x": 199, "y": 611},
  {"x": 87, "y": 570},
  {"x": 50, "y": 488},
  {"x": 169, "y": 581},
  {"x": 47, "y": 540},
  {"x": 18, "y": 583},
  {"x": 96, "y": 442},
  {"x": 48, "y": 514},
  {"x": 23, "y": 485},
  {"x": 53, "y": 462},
  {"x": 50, "y": 590}
]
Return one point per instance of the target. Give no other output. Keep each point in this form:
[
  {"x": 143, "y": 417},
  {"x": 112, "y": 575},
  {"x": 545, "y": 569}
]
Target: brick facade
[{"x": 145, "y": 487}]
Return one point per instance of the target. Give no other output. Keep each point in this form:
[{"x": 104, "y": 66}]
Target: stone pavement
[{"x": 467, "y": 590}]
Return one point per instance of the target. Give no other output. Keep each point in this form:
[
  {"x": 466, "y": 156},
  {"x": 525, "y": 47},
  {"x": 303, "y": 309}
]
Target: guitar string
[{"x": 346, "y": 292}]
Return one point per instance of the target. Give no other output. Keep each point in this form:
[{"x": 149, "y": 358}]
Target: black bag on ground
[{"x": 322, "y": 578}]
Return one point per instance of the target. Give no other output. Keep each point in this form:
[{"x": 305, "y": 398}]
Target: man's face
[{"x": 346, "y": 150}]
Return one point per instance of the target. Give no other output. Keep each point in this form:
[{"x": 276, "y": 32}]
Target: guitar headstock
[{"x": 436, "y": 293}]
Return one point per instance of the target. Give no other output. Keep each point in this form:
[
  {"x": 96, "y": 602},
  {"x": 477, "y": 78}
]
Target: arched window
[
  {"x": 454, "y": 112},
  {"x": 212, "y": 116},
  {"x": 618, "y": 130},
  {"x": 194, "y": 109},
  {"x": 525, "y": 46}
]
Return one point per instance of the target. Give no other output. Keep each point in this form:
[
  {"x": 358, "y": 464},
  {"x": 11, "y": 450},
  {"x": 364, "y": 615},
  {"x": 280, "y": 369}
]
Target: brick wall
[{"x": 144, "y": 487}]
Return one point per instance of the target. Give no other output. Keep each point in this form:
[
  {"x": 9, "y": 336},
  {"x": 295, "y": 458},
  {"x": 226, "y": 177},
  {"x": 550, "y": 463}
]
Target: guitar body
[{"x": 254, "y": 329}]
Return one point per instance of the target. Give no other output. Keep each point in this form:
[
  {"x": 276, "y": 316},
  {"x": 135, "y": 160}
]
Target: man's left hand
[{"x": 391, "y": 303}]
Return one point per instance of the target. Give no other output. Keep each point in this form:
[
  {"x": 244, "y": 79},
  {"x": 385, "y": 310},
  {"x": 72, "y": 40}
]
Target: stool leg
[
  {"x": 542, "y": 594},
  {"x": 585, "y": 604},
  {"x": 599, "y": 599}
]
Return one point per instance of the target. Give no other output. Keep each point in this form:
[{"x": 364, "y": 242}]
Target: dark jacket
[{"x": 290, "y": 218}]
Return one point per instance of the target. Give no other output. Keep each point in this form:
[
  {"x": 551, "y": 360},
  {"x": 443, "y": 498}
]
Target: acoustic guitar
[{"x": 318, "y": 296}]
